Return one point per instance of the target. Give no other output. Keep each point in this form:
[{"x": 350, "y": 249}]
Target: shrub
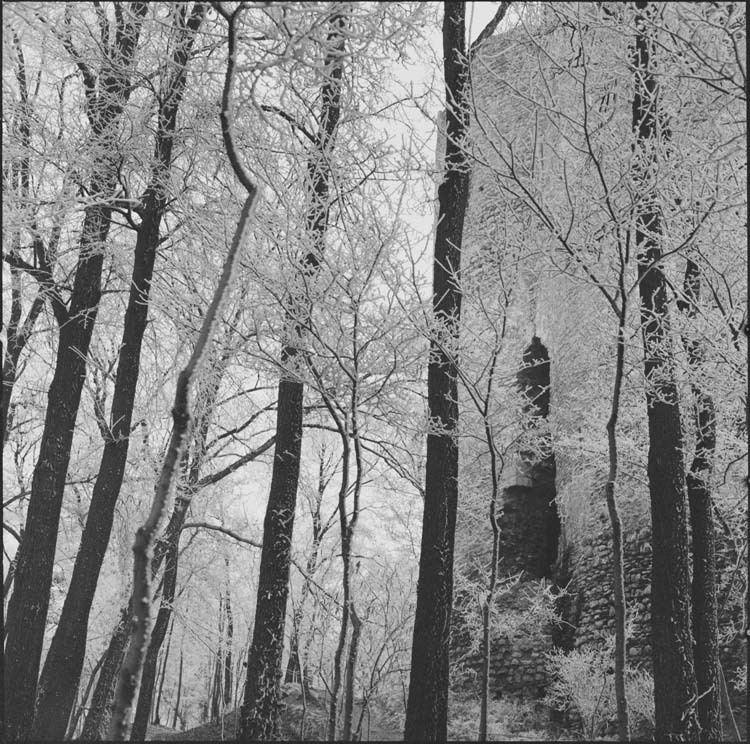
[{"x": 583, "y": 684}]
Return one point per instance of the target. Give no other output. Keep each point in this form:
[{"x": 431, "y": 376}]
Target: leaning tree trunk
[
  {"x": 705, "y": 611},
  {"x": 427, "y": 707},
  {"x": 675, "y": 689},
  {"x": 62, "y": 668},
  {"x": 182, "y": 416},
  {"x": 260, "y": 708},
  {"x": 156, "y": 720},
  {"x": 101, "y": 705},
  {"x": 27, "y": 609},
  {"x": 148, "y": 677}
]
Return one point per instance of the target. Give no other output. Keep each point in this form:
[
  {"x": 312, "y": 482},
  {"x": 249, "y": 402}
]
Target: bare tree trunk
[
  {"x": 179, "y": 693},
  {"x": 96, "y": 721},
  {"x": 297, "y": 663},
  {"x": 675, "y": 688},
  {"x": 351, "y": 670},
  {"x": 8, "y": 582},
  {"x": 94, "y": 728},
  {"x": 618, "y": 571},
  {"x": 27, "y": 609},
  {"x": 162, "y": 675},
  {"x": 260, "y": 708},
  {"x": 148, "y": 677},
  {"x": 129, "y": 679},
  {"x": 216, "y": 697},
  {"x": 79, "y": 710},
  {"x": 705, "y": 610},
  {"x": 427, "y": 707},
  {"x": 228, "y": 646},
  {"x": 62, "y": 668}
]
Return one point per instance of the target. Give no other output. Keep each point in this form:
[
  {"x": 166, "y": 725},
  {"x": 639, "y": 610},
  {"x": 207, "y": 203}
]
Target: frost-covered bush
[{"x": 583, "y": 683}]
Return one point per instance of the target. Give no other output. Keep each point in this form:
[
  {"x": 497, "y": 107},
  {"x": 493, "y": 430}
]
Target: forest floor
[{"x": 316, "y": 718}]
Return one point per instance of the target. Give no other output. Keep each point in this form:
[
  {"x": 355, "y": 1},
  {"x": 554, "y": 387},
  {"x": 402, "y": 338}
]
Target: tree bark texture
[
  {"x": 27, "y": 610},
  {"x": 705, "y": 606},
  {"x": 675, "y": 689},
  {"x": 350, "y": 676},
  {"x": 95, "y": 725},
  {"x": 427, "y": 706},
  {"x": 260, "y": 708},
  {"x": 148, "y": 677},
  {"x": 62, "y": 668}
]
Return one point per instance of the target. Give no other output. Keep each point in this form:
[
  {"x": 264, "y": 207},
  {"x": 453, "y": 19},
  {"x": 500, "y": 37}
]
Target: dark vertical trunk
[
  {"x": 8, "y": 582},
  {"x": 79, "y": 710},
  {"x": 427, "y": 707},
  {"x": 95, "y": 726},
  {"x": 148, "y": 676},
  {"x": 297, "y": 657},
  {"x": 618, "y": 572},
  {"x": 705, "y": 612},
  {"x": 162, "y": 675},
  {"x": 216, "y": 697},
  {"x": 228, "y": 647},
  {"x": 260, "y": 708},
  {"x": 259, "y": 712},
  {"x": 349, "y": 679},
  {"x": 179, "y": 692},
  {"x": 27, "y": 610},
  {"x": 62, "y": 668},
  {"x": 675, "y": 689}
]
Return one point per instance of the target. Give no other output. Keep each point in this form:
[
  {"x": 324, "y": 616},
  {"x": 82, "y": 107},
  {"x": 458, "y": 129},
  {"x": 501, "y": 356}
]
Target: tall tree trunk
[
  {"x": 675, "y": 689},
  {"x": 297, "y": 663},
  {"x": 216, "y": 697},
  {"x": 162, "y": 676},
  {"x": 705, "y": 620},
  {"x": 228, "y": 646},
  {"x": 27, "y": 610},
  {"x": 260, "y": 708},
  {"x": 101, "y": 706},
  {"x": 148, "y": 676},
  {"x": 62, "y": 668},
  {"x": 349, "y": 678},
  {"x": 79, "y": 709},
  {"x": 95, "y": 725},
  {"x": 618, "y": 571},
  {"x": 427, "y": 706},
  {"x": 495, "y": 471},
  {"x": 179, "y": 692}
]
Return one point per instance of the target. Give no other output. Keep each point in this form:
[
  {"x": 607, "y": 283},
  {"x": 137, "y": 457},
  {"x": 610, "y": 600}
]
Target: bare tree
[{"x": 107, "y": 91}]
